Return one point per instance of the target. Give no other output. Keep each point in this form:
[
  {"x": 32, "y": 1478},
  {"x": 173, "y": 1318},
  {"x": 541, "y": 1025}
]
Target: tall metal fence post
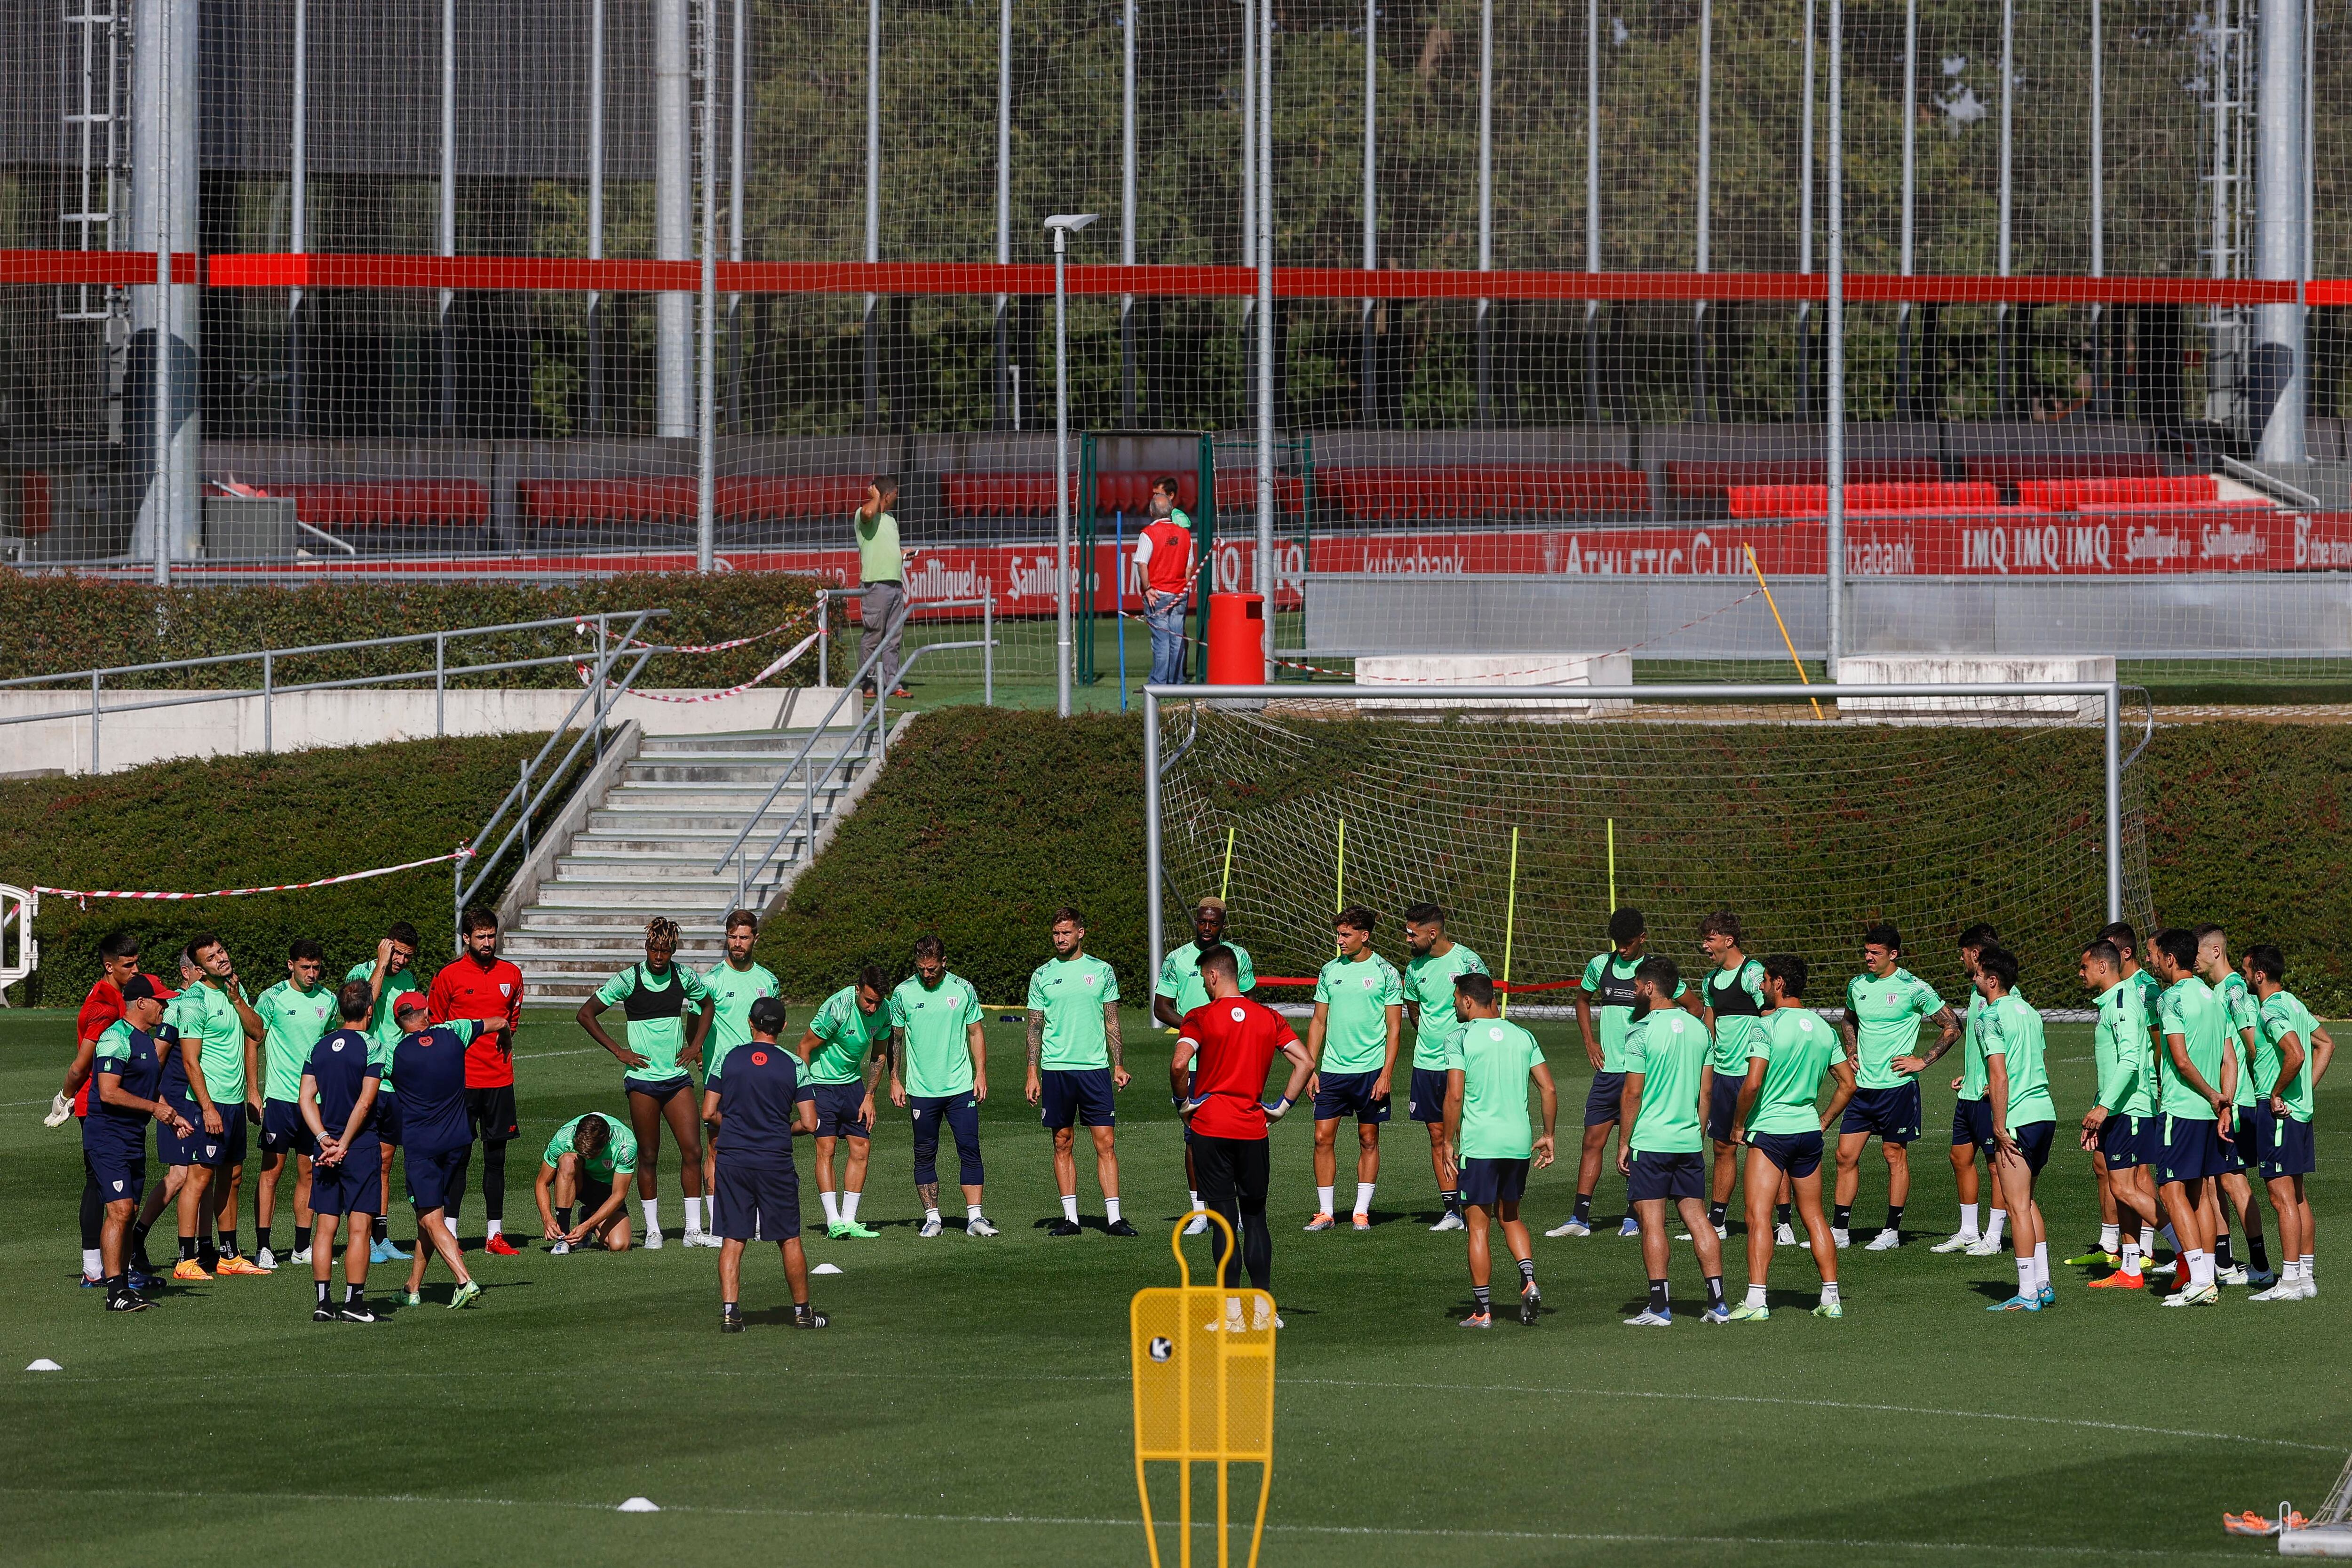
[
  {"x": 523, "y": 784},
  {"x": 823, "y": 638},
  {"x": 2115, "y": 803},
  {"x": 440, "y": 684},
  {"x": 269, "y": 694},
  {"x": 94, "y": 678},
  {"x": 988, "y": 647},
  {"x": 1151, "y": 824}
]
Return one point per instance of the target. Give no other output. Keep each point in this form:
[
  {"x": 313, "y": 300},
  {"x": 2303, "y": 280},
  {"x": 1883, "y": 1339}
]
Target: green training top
[
  {"x": 382, "y": 1029},
  {"x": 1798, "y": 1046},
  {"x": 2120, "y": 1050},
  {"x": 2012, "y": 1031},
  {"x": 1429, "y": 986},
  {"x": 1608, "y": 985},
  {"x": 1358, "y": 994},
  {"x": 618, "y": 1158},
  {"x": 2238, "y": 1006},
  {"x": 292, "y": 1021},
  {"x": 1885, "y": 1014},
  {"x": 2151, "y": 1003},
  {"x": 846, "y": 1034},
  {"x": 656, "y": 1007},
  {"x": 1180, "y": 975},
  {"x": 1071, "y": 992},
  {"x": 2191, "y": 1010},
  {"x": 206, "y": 1014},
  {"x": 878, "y": 559},
  {"x": 2284, "y": 1014},
  {"x": 1736, "y": 996},
  {"x": 1972, "y": 1067},
  {"x": 1495, "y": 1060},
  {"x": 1670, "y": 1050},
  {"x": 733, "y": 991},
  {"x": 936, "y": 1022}
]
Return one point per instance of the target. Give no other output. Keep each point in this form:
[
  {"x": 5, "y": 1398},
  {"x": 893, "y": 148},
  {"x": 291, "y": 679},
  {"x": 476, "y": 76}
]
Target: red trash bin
[{"x": 1236, "y": 639}]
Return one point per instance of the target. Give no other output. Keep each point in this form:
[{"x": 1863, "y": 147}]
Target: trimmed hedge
[
  {"x": 51, "y": 623},
  {"x": 192, "y": 826},
  {"x": 986, "y": 820}
]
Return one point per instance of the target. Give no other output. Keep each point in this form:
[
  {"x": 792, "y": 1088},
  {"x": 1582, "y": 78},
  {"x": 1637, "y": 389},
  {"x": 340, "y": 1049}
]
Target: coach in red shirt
[
  {"x": 1164, "y": 551},
  {"x": 480, "y": 984},
  {"x": 1228, "y": 1042}
]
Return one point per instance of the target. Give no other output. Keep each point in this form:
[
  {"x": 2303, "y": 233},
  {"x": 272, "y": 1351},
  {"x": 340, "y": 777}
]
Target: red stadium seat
[
  {"x": 790, "y": 495},
  {"x": 577, "y": 502},
  {"x": 394, "y": 503},
  {"x": 1696, "y": 483},
  {"x": 2017, "y": 470},
  {"x": 1812, "y": 501},
  {"x": 1467, "y": 491},
  {"x": 998, "y": 495},
  {"x": 34, "y": 514},
  {"x": 2187, "y": 489}
]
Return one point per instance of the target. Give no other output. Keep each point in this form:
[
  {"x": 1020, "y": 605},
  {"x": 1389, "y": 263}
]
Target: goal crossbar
[{"x": 2109, "y": 692}]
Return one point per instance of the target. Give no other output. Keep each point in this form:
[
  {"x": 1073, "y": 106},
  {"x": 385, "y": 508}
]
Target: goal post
[{"x": 1927, "y": 806}]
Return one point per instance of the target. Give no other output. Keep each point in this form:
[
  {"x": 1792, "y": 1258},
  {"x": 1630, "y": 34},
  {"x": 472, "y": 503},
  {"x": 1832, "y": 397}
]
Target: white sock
[
  {"x": 494, "y": 1228},
  {"x": 1999, "y": 1223},
  {"x": 694, "y": 1216},
  {"x": 1364, "y": 1197},
  {"x": 93, "y": 1263},
  {"x": 1112, "y": 1204},
  {"x": 2025, "y": 1285},
  {"x": 1325, "y": 1190},
  {"x": 1322, "y": 1200},
  {"x": 930, "y": 1216},
  {"x": 1069, "y": 1207},
  {"x": 2306, "y": 1266},
  {"x": 2131, "y": 1256},
  {"x": 971, "y": 1213},
  {"x": 652, "y": 1215},
  {"x": 832, "y": 1202},
  {"x": 1969, "y": 1221},
  {"x": 1755, "y": 1296},
  {"x": 710, "y": 1211},
  {"x": 848, "y": 1206},
  {"x": 2290, "y": 1271},
  {"x": 1828, "y": 1291},
  {"x": 2041, "y": 1264},
  {"x": 2108, "y": 1236},
  {"x": 2200, "y": 1269}
]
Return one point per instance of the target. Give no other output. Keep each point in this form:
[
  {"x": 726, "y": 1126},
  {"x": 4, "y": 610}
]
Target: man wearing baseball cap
[
  {"x": 126, "y": 1081},
  {"x": 756, "y": 1107},
  {"x": 428, "y": 1067}
]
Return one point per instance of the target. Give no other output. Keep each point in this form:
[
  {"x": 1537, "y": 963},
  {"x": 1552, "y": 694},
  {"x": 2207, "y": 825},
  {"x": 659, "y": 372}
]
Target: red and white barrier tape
[
  {"x": 580, "y": 625},
  {"x": 770, "y": 673},
  {"x": 82, "y": 895}
]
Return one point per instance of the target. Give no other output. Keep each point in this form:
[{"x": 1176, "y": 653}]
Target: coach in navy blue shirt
[
  {"x": 428, "y": 1070},
  {"x": 757, "y": 1108},
  {"x": 338, "y": 1105},
  {"x": 126, "y": 1093}
]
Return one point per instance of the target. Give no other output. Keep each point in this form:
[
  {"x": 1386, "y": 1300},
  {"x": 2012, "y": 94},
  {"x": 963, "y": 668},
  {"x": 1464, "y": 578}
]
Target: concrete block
[
  {"x": 1432, "y": 672},
  {"x": 1905, "y": 669}
]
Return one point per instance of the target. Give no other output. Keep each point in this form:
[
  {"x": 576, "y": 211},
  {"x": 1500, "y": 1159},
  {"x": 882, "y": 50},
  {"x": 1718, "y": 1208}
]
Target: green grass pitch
[{"x": 970, "y": 1404}]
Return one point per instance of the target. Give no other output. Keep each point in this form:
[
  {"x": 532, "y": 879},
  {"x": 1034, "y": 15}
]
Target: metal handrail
[
  {"x": 271, "y": 689},
  {"x": 524, "y": 800},
  {"x": 748, "y": 870}
]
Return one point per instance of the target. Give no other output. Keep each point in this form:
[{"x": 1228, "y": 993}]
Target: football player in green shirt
[
  {"x": 388, "y": 974},
  {"x": 2120, "y": 1126},
  {"x": 2291, "y": 1055},
  {"x": 1666, "y": 1090},
  {"x": 1358, "y": 1024},
  {"x": 1605, "y": 1011},
  {"x": 1429, "y": 974},
  {"x": 1731, "y": 1001},
  {"x": 588, "y": 1162},
  {"x": 2198, "y": 1072},
  {"x": 842, "y": 1050},
  {"x": 296, "y": 1014},
  {"x": 2017, "y": 1095},
  {"x": 2213, "y": 967},
  {"x": 734, "y": 982},
  {"x": 1777, "y": 1117},
  {"x": 1180, "y": 989},
  {"x": 220, "y": 1041},
  {"x": 1884, "y": 1005},
  {"x": 1971, "y": 1124},
  {"x": 938, "y": 1073},
  {"x": 1488, "y": 1065},
  {"x": 1076, "y": 1065},
  {"x": 658, "y": 1062}
]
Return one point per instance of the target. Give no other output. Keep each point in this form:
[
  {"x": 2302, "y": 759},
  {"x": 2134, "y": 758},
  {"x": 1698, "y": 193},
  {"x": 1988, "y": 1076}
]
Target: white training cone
[
  {"x": 641, "y": 1505},
  {"x": 45, "y": 1365},
  {"x": 824, "y": 1268}
]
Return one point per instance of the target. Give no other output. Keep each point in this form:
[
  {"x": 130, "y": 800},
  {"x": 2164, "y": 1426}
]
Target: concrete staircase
[{"x": 647, "y": 848}]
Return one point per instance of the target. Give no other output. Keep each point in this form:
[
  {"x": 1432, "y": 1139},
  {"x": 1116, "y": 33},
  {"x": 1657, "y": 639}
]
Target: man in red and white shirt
[
  {"x": 478, "y": 983},
  {"x": 1164, "y": 552},
  {"x": 1234, "y": 1041},
  {"x": 118, "y": 961}
]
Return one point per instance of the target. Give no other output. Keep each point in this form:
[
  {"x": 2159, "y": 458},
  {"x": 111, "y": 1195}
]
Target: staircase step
[{"x": 766, "y": 742}]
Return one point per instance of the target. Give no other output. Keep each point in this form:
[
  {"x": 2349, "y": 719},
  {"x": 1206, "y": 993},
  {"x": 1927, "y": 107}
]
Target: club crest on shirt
[
  {"x": 338, "y": 1046},
  {"x": 505, "y": 988},
  {"x": 1368, "y": 982},
  {"x": 759, "y": 1059}
]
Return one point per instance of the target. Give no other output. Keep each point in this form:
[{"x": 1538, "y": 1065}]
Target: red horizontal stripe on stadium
[{"x": 130, "y": 268}]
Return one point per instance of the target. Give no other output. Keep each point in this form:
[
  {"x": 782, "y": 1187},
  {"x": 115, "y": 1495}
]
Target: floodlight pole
[
  {"x": 1266, "y": 325},
  {"x": 1906, "y": 403},
  {"x": 1062, "y": 225},
  {"x": 1004, "y": 420},
  {"x": 595, "y": 322},
  {"x": 2279, "y": 242},
  {"x": 1486, "y": 210},
  {"x": 297, "y": 192},
  {"x": 1592, "y": 206},
  {"x": 1126, "y": 227},
  {"x": 868, "y": 340},
  {"x": 1699, "y": 400},
  {"x": 2002, "y": 376},
  {"x": 1367, "y": 373},
  {"x": 1835, "y": 542},
  {"x": 705, "y": 431},
  {"x": 448, "y": 212}
]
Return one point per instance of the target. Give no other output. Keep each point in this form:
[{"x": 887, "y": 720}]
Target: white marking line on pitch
[
  {"x": 1345, "y": 1382},
  {"x": 1607, "y": 1538}
]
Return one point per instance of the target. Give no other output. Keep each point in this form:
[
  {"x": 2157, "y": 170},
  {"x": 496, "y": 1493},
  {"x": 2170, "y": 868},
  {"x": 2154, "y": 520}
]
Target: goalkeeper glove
[
  {"x": 59, "y": 1109},
  {"x": 1275, "y": 1109}
]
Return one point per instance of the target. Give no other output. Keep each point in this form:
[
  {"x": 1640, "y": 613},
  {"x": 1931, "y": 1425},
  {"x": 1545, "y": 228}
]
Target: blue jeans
[{"x": 1164, "y": 614}]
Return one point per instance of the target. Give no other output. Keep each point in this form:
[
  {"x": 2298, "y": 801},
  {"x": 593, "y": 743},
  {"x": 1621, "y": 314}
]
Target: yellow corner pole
[
  {"x": 1612, "y": 865},
  {"x": 1340, "y": 877},
  {"x": 1785, "y": 642},
  {"x": 1226, "y": 1330},
  {"x": 1510, "y": 919},
  {"x": 1225, "y": 880}
]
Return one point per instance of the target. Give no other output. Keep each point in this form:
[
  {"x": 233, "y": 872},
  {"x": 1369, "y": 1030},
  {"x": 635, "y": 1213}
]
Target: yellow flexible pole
[
  {"x": 1785, "y": 642},
  {"x": 1612, "y": 865},
  {"x": 1225, "y": 881},
  {"x": 1510, "y": 919}
]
